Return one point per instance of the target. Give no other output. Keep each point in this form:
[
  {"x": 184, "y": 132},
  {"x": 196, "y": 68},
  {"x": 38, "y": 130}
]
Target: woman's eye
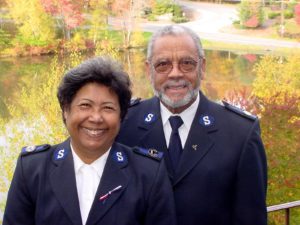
[
  {"x": 109, "y": 108},
  {"x": 84, "y": 105}
]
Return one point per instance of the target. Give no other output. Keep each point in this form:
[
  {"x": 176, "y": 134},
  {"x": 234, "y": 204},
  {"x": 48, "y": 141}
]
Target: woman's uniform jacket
[
  {"x": 221, "y": 178},
  {"x": 43, "y": 190}
]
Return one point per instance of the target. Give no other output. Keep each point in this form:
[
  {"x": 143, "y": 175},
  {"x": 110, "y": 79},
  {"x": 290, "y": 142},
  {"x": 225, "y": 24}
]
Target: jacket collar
[
  {"x": 63, "y": 182},
  {"x": 198, "y": 143}
]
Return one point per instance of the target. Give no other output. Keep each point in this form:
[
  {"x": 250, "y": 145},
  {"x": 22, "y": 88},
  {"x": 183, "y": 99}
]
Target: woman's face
[{"x": 93, "y": 120}]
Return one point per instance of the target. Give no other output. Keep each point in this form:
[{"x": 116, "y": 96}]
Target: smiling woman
[{"x": 88, "y": 178}]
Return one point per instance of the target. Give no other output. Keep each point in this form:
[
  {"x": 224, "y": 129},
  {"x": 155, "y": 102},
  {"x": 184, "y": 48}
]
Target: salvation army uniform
[
  {"x": 134, "y": 189},
  {"x": 221, "y": 177}
]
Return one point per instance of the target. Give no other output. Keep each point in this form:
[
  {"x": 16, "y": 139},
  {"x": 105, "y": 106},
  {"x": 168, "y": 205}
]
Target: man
[{"x": 220, "y": 174}]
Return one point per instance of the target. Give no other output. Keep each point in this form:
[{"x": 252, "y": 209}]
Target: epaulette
[
  {"x": 151, "y": 153},
  {"x": 135, "y": 101},
  {"x": 239, "y": 111},
  {"x": 34, "y": 148}
]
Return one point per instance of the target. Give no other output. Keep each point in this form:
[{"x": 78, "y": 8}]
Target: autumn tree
[
  {"x": 275, "y": 98},
  {"x": 67, "y": 13},
  {"x": 99, "y": 11},
  {"x": 126, "y": 11},
  {"x": 34, "y": 25},
  {"x": 297, "y": 14},
  {"x": 251, "y": 13}
]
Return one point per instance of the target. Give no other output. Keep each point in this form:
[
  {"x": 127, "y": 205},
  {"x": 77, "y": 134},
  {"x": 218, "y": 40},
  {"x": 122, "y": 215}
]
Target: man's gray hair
[{"x": 174, "y": 30}]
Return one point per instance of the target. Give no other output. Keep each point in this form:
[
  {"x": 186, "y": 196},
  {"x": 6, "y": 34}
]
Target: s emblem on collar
[
  {"x": 149, "y": 118},
  {"x": 60, "y": 154},
  {"x": 206, "y": 120},
  {"x": 119, "y": 157}
]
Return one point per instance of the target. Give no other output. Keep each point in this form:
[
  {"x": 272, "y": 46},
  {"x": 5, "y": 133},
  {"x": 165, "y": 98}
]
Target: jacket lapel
[
  {"x": 62, "y": 179},
  {"x": 152, "y": 133},
  {"x": 199, "y": 140},
  {"x": 113, "y": 183}
]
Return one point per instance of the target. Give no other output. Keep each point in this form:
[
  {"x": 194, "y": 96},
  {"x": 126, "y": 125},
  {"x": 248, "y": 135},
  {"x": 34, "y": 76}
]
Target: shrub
[
  {"x": 152, "y": 17},
  {"x": 272, "y": 15},
  {"x": 251, "y": 14},
  {"x": 146, "y": 12},
  {"x": 4, "y": 40},
  {"x": 288, "y": 14},
  {"x": 162, "y": 7},
  {"x": 177, "y": 11},
  {"x": 179, "y": 19}
]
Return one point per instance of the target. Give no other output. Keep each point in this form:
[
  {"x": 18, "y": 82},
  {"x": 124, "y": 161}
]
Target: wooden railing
[{"x": 286, "y": 207}]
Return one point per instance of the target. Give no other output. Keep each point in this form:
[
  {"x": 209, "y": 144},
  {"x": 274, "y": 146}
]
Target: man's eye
[
  {"x": 162, "y": 64},
  {"x": 188, "y": 62}
]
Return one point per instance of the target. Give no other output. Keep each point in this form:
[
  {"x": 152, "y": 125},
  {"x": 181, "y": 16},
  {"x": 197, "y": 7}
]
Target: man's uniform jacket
[
  {"x": 43, "y": 190},
  {"x": 221, "y": 178}
]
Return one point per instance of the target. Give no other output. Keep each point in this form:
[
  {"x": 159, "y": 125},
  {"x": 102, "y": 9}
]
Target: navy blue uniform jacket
[
  {"x": 43, "y": 190},
  {"x": 222, "y": 174}
]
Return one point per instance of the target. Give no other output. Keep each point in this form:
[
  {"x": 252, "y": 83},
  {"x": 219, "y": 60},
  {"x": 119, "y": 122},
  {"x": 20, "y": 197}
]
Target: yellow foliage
[
  {"x": 106, "y": 47},
  {"x": 98, "y": 19},
  {"x": 33, "y": 22},
  {"x": 35, "y": 119},
  {"x": 277, "y": 77},
  {"x": 137, "y": 39}
]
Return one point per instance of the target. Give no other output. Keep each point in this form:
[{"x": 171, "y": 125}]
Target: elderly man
[{"x": 214, "y": 153}]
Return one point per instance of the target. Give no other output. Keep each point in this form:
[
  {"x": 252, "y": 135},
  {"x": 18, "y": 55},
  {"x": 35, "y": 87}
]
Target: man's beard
[{"x": 174, "y": 104}]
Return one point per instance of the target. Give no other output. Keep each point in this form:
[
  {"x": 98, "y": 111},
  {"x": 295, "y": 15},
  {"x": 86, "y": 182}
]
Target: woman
[{"x": 89, "y": 178}]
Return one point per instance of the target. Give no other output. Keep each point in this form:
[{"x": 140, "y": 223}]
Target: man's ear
[
  {"x": 148, "y": 69},
  {"x": 203, "y": 68}
]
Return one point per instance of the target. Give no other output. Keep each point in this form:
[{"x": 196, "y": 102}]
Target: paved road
[{"x": 210, "y": 20}]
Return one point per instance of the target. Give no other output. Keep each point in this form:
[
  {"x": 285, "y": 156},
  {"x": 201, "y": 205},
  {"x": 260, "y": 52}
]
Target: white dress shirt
[
  {"x": 187, "y": 117},
  {"x": 88, "y": 177}
]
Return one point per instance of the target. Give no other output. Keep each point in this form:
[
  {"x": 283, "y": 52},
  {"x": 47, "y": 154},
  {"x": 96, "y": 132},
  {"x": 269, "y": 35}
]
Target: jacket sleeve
[
  {"x": 19, "y": 206},
  {"x": 161, "y": 206},
  {"x": 251, "y": 182}
]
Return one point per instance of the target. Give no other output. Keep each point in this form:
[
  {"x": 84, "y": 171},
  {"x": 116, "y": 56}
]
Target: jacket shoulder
[
  {"x": 135, "y": 101},
  {"x": 32, "y": 149},
  {"x": 239, "y": 111},
  {"x": 150, "y": 153}
]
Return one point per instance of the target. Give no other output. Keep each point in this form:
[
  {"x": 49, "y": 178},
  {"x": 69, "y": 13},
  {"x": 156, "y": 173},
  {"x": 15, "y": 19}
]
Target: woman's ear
[{"x": 65, "y": 114}]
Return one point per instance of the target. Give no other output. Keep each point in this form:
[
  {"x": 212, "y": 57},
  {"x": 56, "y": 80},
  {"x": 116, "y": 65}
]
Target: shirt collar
[
  {"x": 187, "y": 115},
  {"x": 98, "y": 164}
]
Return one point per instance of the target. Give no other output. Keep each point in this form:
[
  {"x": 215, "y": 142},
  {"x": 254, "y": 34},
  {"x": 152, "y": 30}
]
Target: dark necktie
[{"x": 175, "y": 147}]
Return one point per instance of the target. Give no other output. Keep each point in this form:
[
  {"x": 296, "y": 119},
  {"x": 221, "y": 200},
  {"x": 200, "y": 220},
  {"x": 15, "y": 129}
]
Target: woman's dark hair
[{"x": 102, "y": 70}]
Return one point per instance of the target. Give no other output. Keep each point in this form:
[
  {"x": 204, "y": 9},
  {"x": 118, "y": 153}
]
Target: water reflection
[{"x": 225, "y": 71}]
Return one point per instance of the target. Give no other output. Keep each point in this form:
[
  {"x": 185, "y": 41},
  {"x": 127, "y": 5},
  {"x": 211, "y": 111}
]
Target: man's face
[{"x": 175, "y": 70}]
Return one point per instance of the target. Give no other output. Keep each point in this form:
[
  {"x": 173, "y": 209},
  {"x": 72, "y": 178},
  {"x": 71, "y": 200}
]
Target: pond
[{"x": 225, "y": 71}]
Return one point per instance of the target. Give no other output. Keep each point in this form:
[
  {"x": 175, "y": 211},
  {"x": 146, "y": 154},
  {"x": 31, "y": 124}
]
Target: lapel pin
[
  {"x": 194, "y": 147},
  {"x": 105, "y": 196}
]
